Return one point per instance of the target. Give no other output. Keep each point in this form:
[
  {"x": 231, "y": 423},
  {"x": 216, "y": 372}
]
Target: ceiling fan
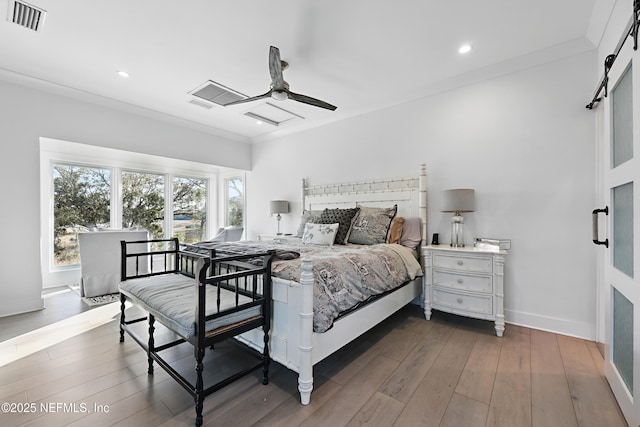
[{"x": 280, "y": 88}]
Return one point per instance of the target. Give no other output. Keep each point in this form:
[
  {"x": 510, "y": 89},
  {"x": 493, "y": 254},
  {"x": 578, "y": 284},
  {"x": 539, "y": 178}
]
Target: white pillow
[{"x": 319, "y": 234}]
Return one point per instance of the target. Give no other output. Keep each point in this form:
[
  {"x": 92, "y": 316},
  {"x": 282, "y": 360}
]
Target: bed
[{"x": 298, "y": 340}]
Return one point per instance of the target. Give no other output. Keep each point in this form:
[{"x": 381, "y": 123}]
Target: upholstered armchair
[
  {"x": 228, "y": 234},
  {"x": 100, "y": 259}
]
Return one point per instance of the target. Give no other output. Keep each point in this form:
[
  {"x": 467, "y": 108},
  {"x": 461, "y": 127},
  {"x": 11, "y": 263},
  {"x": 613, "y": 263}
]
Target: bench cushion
[{"x": 171, "y": 298}]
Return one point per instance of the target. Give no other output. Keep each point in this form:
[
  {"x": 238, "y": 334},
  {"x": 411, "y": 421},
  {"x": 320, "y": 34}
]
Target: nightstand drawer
[
  {"x": 463, "y": 281},
  {"x": 481, "y": 304},
  {"x": 463, "y": 263}
]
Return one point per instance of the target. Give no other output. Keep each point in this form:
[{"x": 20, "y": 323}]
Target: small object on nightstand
[
  {"x": 279, "y": 238},
  {"x": 435, "y": 241},
  {"x": 492, "y": 244}
]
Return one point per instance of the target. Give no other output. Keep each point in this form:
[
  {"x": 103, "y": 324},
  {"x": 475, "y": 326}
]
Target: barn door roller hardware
[{"x": 630, "y": 31}]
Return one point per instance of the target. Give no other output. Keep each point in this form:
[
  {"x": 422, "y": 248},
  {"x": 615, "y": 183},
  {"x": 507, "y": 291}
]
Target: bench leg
[
  {"x": 199, "y": 396},
  {"x": 265, "y": 358},
  {"x": 122, "y": 301},
  {"x": 151, "y": 348}
]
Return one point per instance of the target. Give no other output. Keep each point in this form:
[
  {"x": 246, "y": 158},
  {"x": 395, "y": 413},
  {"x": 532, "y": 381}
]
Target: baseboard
[
  {"x": 571, "y": 328},
  {"x": 18, "y": 307}
]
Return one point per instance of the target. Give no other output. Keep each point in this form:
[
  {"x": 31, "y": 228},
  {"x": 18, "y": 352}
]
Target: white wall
[
  {"x": 523, "y": 141},
  {"x": 28, "y": 114}
]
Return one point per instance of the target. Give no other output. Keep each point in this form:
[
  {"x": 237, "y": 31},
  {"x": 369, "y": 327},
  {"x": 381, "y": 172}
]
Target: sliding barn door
[{"x": 621, "y": 177}]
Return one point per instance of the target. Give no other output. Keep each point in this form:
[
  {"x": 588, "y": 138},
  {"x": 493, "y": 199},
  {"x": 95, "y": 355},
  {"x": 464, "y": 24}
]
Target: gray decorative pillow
[
  {"x": 319, "y": 234},
  {"x": 342, "y": 217},
  {"x": 308, "y": 216},
  {"x": 372, "y": 225}
]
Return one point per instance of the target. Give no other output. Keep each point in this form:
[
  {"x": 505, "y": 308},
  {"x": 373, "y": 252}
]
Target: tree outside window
[
  {"x": 81, "y": 202},
  {"x": 143, "y": 202},
  {"x": 189, "y": 209}
]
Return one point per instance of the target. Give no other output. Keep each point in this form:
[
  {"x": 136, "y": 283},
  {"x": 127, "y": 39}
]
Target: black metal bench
[{"x": 230, "y": 295}]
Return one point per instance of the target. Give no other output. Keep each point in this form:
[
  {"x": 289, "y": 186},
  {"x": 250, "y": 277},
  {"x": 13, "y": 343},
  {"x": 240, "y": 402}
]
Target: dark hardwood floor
[
  {"x": 60, "y": 303},
  {"x": 407, "y": 371}
]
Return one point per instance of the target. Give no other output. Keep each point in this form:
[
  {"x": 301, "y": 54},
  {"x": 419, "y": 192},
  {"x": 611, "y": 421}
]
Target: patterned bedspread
[{"x": 345, "y": 275}]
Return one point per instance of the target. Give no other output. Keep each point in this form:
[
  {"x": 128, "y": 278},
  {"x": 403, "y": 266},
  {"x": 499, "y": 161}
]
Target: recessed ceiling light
[
  {"x": 123, "y": 74},
  {"x": 465, "y": 48},
  {"x": 258, "y": 122}
]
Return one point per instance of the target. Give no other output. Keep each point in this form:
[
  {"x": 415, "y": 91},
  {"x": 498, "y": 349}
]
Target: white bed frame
[{"x": 293, "y": 342}]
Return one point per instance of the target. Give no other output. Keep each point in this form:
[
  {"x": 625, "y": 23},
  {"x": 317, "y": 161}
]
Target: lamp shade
[
  {"x": 458, "y": 200},
  {"x": 278, "y": 207}
]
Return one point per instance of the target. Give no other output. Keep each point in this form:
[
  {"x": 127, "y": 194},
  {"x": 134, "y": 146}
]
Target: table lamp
[
  {"x": 457, "y": 201},
  {"x": 278, "y": 207}
]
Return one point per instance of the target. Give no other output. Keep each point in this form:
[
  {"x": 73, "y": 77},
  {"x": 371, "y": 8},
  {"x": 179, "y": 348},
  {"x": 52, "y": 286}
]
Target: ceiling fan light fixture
[{"x": 279, "y": 95}]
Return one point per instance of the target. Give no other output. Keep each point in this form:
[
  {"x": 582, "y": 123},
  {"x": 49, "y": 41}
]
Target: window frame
[{"x": 225, "y": 201}]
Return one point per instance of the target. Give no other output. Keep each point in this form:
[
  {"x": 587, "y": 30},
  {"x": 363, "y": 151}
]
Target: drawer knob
[
  {"x": 460, "y": 262},
  {"x": 460, "y": 281},
  {"x": 459, "y": 300}
]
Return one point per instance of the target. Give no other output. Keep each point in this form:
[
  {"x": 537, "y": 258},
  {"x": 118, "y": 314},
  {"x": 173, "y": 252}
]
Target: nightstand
[
  {"x": 465, "y": 281},
  {"x": 281, "y": 238}
]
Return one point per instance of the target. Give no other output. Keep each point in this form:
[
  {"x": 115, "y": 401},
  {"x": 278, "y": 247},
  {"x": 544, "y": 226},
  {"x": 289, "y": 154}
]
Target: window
[
  {"x": 81, "y": 202},
  {"x": 189, "y": 209},
  {"x": 234, "y": 202},
  {"x": 143, "y": 202},
  {"x": 85, "y": 187}
]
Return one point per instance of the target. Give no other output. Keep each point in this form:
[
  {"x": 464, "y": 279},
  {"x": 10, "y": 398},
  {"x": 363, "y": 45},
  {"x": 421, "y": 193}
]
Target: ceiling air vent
[
  {"x": 201, "y": 103},
  {"x": 216, "y": 93},
  {"x": 272, "y": 114},
  {"x": 26, "y": 15}
]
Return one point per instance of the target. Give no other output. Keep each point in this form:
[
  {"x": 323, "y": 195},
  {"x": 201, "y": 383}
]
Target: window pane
[
  {"x": 622, "y": 120},
  {"x": 189, "y": 209},
  {"x": 622, "y": 200},
  {"x": 143, "y": 202},
  {"x": 81, "y": 202},
  {"x": 622, "y": 345},
  {"x": 235, "y": 204}
]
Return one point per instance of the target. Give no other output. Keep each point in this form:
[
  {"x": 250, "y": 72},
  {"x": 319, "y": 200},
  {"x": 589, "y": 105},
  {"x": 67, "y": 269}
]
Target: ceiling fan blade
[
  {"x": 275, "y": 68},
  {"x": 311, "y": 101},
  {"x": 253, "y": 98}
]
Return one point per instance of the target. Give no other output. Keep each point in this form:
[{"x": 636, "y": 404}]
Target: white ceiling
[{"x": 359, "y": 55}]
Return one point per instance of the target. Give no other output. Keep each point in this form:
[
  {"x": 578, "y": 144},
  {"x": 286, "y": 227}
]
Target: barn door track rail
[{"x": 631, "y": 30}]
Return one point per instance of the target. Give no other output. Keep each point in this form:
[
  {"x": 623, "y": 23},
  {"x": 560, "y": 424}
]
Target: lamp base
[
  {"x": 457, "y": 231},
  {"x": 278, "y": 217}
]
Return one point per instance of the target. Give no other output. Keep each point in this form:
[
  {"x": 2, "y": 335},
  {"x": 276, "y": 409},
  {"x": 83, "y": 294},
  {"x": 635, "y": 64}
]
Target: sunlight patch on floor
[
  {"x": 39, "y": 339},
  {"x": 53, "y": 293}
]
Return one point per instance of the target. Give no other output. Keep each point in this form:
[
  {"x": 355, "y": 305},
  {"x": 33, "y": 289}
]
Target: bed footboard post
[
  {"x": 305, "y": 377},
  {"x": 423, "y": 202}
]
